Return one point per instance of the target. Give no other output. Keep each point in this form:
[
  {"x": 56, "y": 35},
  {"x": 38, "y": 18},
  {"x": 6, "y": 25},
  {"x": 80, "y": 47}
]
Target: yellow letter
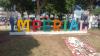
[{"x": 23, "y": 23}]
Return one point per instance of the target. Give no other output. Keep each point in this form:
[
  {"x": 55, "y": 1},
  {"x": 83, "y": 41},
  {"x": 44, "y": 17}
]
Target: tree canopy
[
  {"x": 5, "y": 3},
  {"x": 51, "y": 6}
]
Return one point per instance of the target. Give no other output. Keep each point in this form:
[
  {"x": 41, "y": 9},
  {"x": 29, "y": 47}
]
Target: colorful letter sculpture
[
  {"x": 46, "y": 27},
  {"x": 36, "y": 26},
  {"x": 65, "y": 25},
  {"x": 55, "y": 26},
  {"x": 81, "y": 23},
  {"x": 22, "y": 24},
  {"x": 74, "y": 24}
]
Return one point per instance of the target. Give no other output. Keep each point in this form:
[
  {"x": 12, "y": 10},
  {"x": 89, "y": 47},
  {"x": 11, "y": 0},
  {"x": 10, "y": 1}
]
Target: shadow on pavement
[{"x": 16, "y": 45}]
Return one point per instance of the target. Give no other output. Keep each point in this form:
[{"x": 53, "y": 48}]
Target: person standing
[{"x": 12, "y": 23}]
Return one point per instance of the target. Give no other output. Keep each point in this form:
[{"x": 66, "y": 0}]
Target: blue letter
[{"x": 74, "y": 24}]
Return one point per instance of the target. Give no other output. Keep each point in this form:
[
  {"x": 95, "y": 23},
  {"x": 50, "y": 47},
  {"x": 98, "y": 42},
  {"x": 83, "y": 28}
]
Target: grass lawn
[{"x": 42, "y": 45}]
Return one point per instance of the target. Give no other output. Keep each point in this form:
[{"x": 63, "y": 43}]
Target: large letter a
[{"x": 74, "y": 25}]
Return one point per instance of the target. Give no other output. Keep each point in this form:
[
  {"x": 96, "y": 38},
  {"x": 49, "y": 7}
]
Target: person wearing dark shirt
[{"x": 12, "y": 23}]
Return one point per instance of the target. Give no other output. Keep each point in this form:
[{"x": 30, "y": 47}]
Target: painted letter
[
  {"x": 81, "y": 24},
  {"x": 23, "y": 23},
  {"x": 36, "y": 26},
  {"x": 65, "y": 25},
  {"x": 55, "y": 26},
  {"x": 46, "y": 27},
  {"x": 74, "y": 24}
]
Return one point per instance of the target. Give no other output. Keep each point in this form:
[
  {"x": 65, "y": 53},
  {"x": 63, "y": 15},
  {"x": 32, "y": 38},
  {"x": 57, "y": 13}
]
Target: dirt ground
[{"x": 43, "y": 45}]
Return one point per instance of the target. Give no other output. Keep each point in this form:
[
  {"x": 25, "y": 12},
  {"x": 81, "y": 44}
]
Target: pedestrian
[{"x": 12, "y": 23}]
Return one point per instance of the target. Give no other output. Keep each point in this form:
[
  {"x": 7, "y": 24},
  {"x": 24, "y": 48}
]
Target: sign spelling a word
[{"x": 47, "y": 26}]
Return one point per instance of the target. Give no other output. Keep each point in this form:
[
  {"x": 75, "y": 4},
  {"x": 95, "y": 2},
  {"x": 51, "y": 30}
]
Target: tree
[
  {"x": 96, "y": 11},
  {"x": 69, "y": 6},
  {"x": 50, "y": 8},
  {"x": 86, "y": 4},
  {"x": 23, "y": 5},
  {"x": 5, "y": 3},
  {"x": 61, "y": 6}
]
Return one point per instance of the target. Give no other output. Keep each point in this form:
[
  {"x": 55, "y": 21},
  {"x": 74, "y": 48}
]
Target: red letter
[{"x": 36, "y": 26}]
